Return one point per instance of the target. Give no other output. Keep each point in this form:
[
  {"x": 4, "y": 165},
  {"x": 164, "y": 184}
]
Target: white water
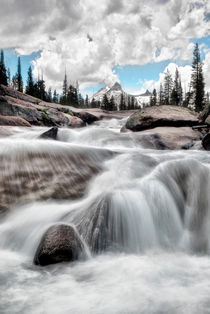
[{"x": 146, "y": 214}]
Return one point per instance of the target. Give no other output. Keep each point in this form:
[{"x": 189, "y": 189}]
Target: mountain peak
[
  {"x": 116, "y": 86},
  {"x": 147, "y": 93}
]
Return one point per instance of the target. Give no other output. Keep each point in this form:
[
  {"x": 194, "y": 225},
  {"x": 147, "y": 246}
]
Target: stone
[
  {"x": 206, "y": 142},
  {"x": 50, "y": 134},
  {"x": 161, "y": 116},
  {"x": 13, "y": 121},
  {"x": 60, "y": 243}
]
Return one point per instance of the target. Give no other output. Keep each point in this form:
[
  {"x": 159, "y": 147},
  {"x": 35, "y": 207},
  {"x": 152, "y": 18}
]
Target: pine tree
[
  {"x": 105, "y": 103},
  {"x": 161, "y": 95},
  {"x": 8, "y": 76},
  {"x": 197, "y": 80},
  {"x": 3, "y": 71},
  {"x": 176, "y": 94},
  {"x": 93, "y": 103},
  {"x": 30, "y": 83},
  {"x": 65, "y": 90},
  {"x": 153, "y": 98},
  {"x": 86, "y": 101},
  {"x": 112, "y": 105},
  {"x": 19, "y": 76},
  {"x": 129, "y": 103},
  {"x": 168, "y": 83},
  {"x": 132, "y": 103},
  {"x": 49, "y": 95},
  {"x": 72, "y": 98},
  {"x": 55, "y": 97},
  {"x": 81, "y": 101},
  {"x": 122, "y": 102}
]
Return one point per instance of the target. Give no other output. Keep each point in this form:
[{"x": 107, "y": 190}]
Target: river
[{"x": 148, "y": 250}]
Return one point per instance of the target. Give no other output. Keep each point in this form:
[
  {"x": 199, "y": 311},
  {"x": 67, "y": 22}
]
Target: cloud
[
  {"x": 134, "y": 32},
  {"x": 185, "y": 73}
]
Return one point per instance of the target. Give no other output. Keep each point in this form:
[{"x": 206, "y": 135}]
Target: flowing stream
[{"x": 143, "y": 215}]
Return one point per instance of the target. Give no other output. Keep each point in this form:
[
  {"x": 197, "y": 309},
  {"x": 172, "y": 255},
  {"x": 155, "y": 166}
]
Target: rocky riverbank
[
  {"x": 170, "y": 127},
  {"x": 18, "y": 109}
]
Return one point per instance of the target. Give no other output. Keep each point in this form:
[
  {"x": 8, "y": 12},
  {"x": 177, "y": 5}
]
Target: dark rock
[
  {"x": 51, "y": 133},
  {"x": 206, "y": 142},
  {"x": 30, "y": 114},
  {"x": 87, "y": 117},
  {"x": 60, "y": 243},
  {"x": 159, "y": 116}
]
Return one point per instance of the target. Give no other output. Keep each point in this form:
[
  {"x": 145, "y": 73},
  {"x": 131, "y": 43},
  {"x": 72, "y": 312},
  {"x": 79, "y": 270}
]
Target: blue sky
[
  {"x": 118, "y": 41},
  {"x": 131, "y": 77}
]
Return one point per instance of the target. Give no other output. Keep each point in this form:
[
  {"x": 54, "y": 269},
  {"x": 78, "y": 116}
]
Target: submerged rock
[
  {"x": 60, "y": 243},
  {"x": 161, "y": 116},
  {"x": 47, "y": 171},
  {"x": 169, "y": 138},
  {"x": 50, "y": 134}
]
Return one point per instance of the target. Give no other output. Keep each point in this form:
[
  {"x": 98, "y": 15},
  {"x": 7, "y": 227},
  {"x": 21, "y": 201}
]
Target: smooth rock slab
[
  {"x": 161, "y": 116},
  {"x": 60, "y": 243}
]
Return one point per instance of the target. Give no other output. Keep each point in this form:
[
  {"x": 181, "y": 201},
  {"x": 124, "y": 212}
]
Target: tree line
[{"x": 170, "y": 91}]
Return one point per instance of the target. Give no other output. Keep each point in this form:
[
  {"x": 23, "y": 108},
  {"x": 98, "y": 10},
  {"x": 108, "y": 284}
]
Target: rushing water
[{"x": 144, "y": 217}]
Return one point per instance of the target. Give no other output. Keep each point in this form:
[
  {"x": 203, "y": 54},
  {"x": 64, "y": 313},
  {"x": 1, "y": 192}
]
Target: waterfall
[{"x": 142, "y": 214}]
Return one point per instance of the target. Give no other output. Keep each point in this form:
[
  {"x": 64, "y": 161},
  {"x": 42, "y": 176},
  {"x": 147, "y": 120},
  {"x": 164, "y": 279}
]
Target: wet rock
[
  {"x": 60, "y": 243},
  {"x": 75, "y": 122},
  {"x": 206, "y": 142},
  {"x": 47, "y": 171},
  {"x": 13, "y": 121},
  {"x": 161, "y": 116},
  {"x": 50, "y": 134},
  {"x": 87, "y": 117}
]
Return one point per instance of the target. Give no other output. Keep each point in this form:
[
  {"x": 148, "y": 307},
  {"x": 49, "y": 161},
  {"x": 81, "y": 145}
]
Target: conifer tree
[
  {"x": 122, "y": 102},
  {"x": 105, "y": 103},
  {"x": 81, "y": 101},
  {"x": 72, "y": 98},
  {"x": 49, "y": 95},
  {"x": 65, "y": 90},
  {"x": 30, "y": 83},
  {"x": 112, "y": 105},
  {"x": 19, "y": 77},
  {"x": 3, "y": 71},
  {"x": 8, "y": 76},
  {"x": 153, "y": 98},
  {"x": 197, "y": 80},
  {"x": 55, "y": 97},
  {"x": 132, "y": 103},
  {"x": 129, "y": 103},
  {"x": 86, "y": 101},
  {"x": 168, "y": 84},
  {"x": 161, "y": 95}
]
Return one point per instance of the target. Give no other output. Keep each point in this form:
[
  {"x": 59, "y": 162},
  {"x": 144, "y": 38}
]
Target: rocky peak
[{"x": 116, "y": 87}]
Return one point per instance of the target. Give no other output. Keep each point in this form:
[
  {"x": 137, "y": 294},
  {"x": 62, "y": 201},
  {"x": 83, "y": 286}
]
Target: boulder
[
  {"x": 47, "y": 171},
  {"x": 159, "y": 116},
  {"x": 169, "y": 138},
  {"x": 206, "y": 142},
  {"x": 13, "y": 121},
  {"x": 87, "y": 117},
  {"x": 60, "y": 243},
  {"x": 30, "y": 114},
  {"x": 75, "y": 122},
  {"x": 50, "y": 134}
]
